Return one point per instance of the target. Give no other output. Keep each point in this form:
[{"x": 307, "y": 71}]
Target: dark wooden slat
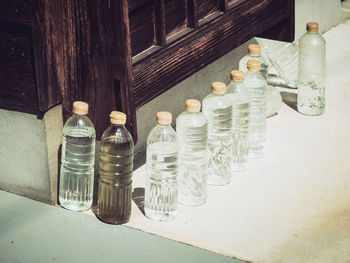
[
  {"x": 223, "y": 5},
  {"x": 18, "y": 87},
  {"x": 15, "y": 11},
  {"x": 192, "y": 15},
  {"x": 206, "y": 7},
  {"x": 284, "y": 30},
  {"x": 80, "y": 53},
  {"x": 168, "y": 67},
  {"x": 175, "y": 16},
  {"x": 133, "y": 4},
  {"x": 123, "y": 62},
  {"x": 159, "y": 22},
  {"x": 141, "y": 27},
  {"x": 49, "y": 67}
]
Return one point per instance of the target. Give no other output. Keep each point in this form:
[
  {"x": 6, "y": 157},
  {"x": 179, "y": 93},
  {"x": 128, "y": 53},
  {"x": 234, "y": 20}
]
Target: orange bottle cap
[
  {"x": 218, "y": 87},
  {"x": 117, "y": 117},
  {"x": 164, "y": 117},
  {"x": 80, "y": 107},
  {"x": 193, "y": 105},
  {"x": 253, "y": 65},
  {"x": 237, "y": 75}
]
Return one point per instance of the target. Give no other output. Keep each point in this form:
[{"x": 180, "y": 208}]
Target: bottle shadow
[
  {"x": 290, "y": 98},
  {"x": 138, "y": 196}
]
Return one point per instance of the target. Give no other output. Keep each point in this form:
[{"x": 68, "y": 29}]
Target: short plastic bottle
[
  {"x": 312, "y": 71},
  {"x": 161, "y": 187},
  {"x": 116, "y": 169},
  {"x": 78, "y": 158},
  {"x": 192, "y": 136},
  {"x": 240, "y": 120},
  {"x": 257, "y": 88},
  {"x": 254, "y": 52},
  {"x": 217, "y": 108}
]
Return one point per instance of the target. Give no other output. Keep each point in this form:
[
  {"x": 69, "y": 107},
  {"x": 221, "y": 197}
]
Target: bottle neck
[
  {"x": 117, "y": 125},
  {"x": 254, "y": 55},
  {"x": 79, "y": 115}
]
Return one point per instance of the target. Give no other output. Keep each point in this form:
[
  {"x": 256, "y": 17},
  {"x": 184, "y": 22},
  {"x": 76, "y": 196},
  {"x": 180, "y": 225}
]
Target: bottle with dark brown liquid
[{"x": 116, "y": 166}]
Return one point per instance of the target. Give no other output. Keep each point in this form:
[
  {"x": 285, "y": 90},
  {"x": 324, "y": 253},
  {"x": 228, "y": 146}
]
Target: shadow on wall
[{"x": 290, "y": 98}]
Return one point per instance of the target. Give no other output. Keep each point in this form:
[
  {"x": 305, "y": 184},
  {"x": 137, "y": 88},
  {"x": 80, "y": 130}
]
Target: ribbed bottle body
[
  {"x": 115, "y": 182},
  {"x": 218, "y": 111},
  {"x": 192, "y": 136},
  {"x": 161, "y": 187},
  {"x": 311, "y": 74},
  {"x": 77, "y": 164},
  {"x": 257, "y": 89},
  {"x": 240, "y": 121},
  {"x": 264, "y": 65}
]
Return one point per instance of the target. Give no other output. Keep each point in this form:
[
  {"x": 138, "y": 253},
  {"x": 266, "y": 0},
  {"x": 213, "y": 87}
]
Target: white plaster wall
[{"x": 326, "y": 12}]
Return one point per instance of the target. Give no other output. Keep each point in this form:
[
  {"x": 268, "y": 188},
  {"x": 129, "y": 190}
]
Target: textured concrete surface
[
  {"x": 28, "y": 156},
  {"x": 23, "y": 155},
  {"x": 34, "y": 232},
  {"x": 293, "y": 205}
]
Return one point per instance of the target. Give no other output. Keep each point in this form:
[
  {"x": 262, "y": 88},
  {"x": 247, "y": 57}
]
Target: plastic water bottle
[
  {"x": 254, "y": 52},
  {"x": 116, "y": 166},
  {"x": 240, "y": 120},
  {"x": 192, "y": 136},
  {"x": 257, "y": 87},
  {"x": 161, "y": 164},
  {"x": 217, "y": 108},
  {"x": 312, "y": 72},
  {"x": 77, "y": 163}
]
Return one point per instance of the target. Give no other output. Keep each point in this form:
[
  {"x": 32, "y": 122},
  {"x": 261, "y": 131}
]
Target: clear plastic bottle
[
  {"x": 257, "y": 88},
  {"x": 240, "y": 119},
  {"x": 192, "y": 136},
  {"x": 78, "y": 157},
  {"x": 116, "y": 166},
  {"x": 161, "y": 164},
  {"x": 217, "y": 108},
  {"x": 312, "y": 72},
  {"x": 254, "y": 52}
]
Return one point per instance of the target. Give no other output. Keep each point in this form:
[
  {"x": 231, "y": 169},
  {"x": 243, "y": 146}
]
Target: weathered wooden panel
[
  {"x": 15, "y": 11},
  {"x": 18, "y": 87},
  {"x": 206, "y": 7},
  {"x": 175, "y": 15},
  {"x": 141, "y": 26},
  {"x": 167, "y": 67},
  {"x": 81, "y": 53}
]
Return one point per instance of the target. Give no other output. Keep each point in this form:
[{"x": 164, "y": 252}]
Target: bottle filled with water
[
  {"x": 257, "y": 88},
  {"x": 192, "y": 136},
  {"x": 217, "y": 108},
  {"x": 77, "y": 163},
  {"x": 312, "y": 72},
  {"x": 240, "y": 120},
  {"x": 116, "y": 167},
  {"x": 161, "y": 187},
  {"x": 254, "y": 52}
]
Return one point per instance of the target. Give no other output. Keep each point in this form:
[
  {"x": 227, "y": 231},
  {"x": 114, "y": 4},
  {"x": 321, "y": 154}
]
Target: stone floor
[{"x": 294, "y": 204}]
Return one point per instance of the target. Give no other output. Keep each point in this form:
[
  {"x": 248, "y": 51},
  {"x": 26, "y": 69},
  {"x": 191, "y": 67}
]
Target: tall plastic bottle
[
  {"x": 161, "y": 187},
  {"x": 240, "y": 120},
  {"x": 116, "y": 166},
  {"x": 217, "y": 108},
  {"x": 257, "y": 88},
  {"x": 192, "y": 136},
  {"x": 254, "y": 52},
  {"x": 77, "y": 163},
  {"x": 312, "y": 71}
]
